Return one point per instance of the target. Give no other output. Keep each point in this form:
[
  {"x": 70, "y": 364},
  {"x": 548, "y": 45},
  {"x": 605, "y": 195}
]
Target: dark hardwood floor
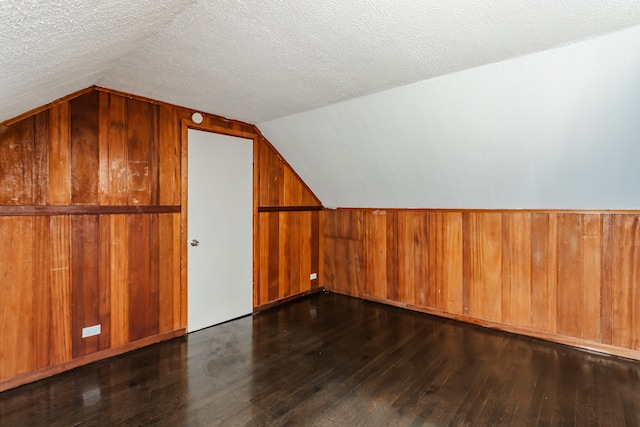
[{"x": 331, "y": 360}]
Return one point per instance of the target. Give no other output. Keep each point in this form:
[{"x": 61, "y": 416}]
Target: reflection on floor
[{"x": 331, "y": 360}]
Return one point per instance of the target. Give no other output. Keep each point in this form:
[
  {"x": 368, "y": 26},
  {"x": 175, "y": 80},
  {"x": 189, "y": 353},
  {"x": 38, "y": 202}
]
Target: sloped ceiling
[{"x": 269, "y": 62}]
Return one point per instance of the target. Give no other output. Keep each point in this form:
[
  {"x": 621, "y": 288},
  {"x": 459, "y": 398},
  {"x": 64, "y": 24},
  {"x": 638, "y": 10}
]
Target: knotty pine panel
[{"x": 568, "y": 276}]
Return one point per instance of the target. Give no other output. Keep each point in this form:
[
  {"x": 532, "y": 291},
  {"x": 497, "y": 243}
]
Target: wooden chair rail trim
[
  {"x": 469, "y": 210},
  {"x": 85, "y": 360},
  {"x": 559, "y": 339},
  {"x": 36, "y": 210},
  {"x": 289, "y": 208}
]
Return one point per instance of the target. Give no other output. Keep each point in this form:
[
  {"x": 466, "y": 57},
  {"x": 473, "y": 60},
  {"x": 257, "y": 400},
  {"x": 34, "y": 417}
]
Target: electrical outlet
[
  {"x": 90, "y": 331},
  {"x": 313, "y": 276}
]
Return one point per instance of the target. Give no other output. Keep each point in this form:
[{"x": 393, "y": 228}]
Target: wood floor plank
[{"x": 330, "y": 360}]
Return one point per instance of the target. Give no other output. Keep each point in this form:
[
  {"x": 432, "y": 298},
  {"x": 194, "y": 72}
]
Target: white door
[{"x": 220, "y": 228}]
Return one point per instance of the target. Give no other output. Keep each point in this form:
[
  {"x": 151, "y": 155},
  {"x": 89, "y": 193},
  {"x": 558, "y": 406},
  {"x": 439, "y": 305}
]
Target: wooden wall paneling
[
  {"x": 169, "y": 156},
  {"x": 606, "y": 308},
  {"x": 516, "y": 268},
  {"x": 592, "y": 276},
  {"x": 406, "y": 257},
  {"x": 543, "y": 271},
  {"x": 103, "y": 149},
  {"x": 59, "y": 155},
  {"x": 391, "y": 253},
  {"x": 376, "y": 253},
  {"x": 302, "y": 279},
  {"x": 570, "y": 276},
  {"x": 273, "y": 256},
  {"x": 317, "y": 248},
  {"x": 141, "y": 119},
  {"x": 485, "y": 265},
  {"x": 625, "y": 279},
  {"x": 421, "y": 290},
  {"x": 178, "y": 292},
  {"x": 271, "y": 175},
  {"x": 61, "y": 343},
  {"x": 40, "y": 169},
  {"x": 119, "y": 277},
  {"x": 166, "y": 272},
  {"x": 117, "y": 163},
  {"x": 104, "y": 280},
  {"x": 16, "y": 163},
  {"x": 41, "y": 292},
  {"x": 261, "y": 285},
  {"x": 288, "y": 261},
  {"x": 17, "y": 352},
  {"x": 85, "y": 149},
  {"x": 85, "y": 282},
  {"x": 445, "y": 261},
  {"x": 143, "y": 310}
]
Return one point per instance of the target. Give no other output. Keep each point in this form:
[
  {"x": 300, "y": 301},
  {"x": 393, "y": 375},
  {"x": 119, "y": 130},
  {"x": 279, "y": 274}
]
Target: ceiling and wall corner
[
  {"x": 300, "y": 70},
  {"x": 556, "y": 129},
  {"x": 49, "y": 49}
]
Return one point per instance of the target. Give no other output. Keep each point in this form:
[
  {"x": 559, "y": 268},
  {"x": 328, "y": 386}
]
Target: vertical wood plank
[
  {"x": 119, "y": 277},
  {"x": 626, "y": 274},
  {"x": 570, "y": 276},
  {"x": 485, "y": 265},
  {"x": 85, "y": 149},
  {"x": 273, "y": 256},
  {"x": 17, "y": 353},
  {"x": 41, "y": 159},
  {"x": 376, "y": 253},
  {"x": 169, "y": 156},
  {"x": 391, "y": 255},
  {"x": 139, "y": 143},
  {"x": 422, "y": 288},
  {"x": 285, "y": 263},
  {"x": 61, "y": 300},
  {"x": 85, "y": 282},
  {"x": 316, "y": 248},
  {"x": 143, "y": 285},
  {"x": 516, "y": 268},
  {"x": 540, "y": 285},
  {"x": 41, "y": 292},
  {"x": 104, "y": 281},
  {"x": 592, "y": 276},
  {"x": 60, "y": 155},
  {"x": 406, "y": 257},
  {"x": 16, "y": 163},
  {"x": 118, "y": 158},
  {"x": 166, "y": 272},
  {"x": 103, "y": 148},
  {"x": 607, "y": 279}
]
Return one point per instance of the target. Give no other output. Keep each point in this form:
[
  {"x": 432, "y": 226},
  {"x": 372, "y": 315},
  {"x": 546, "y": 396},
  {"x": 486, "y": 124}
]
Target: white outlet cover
[
  {"x": 90, "y": 331},
  {"x": 313, "y": 276}
]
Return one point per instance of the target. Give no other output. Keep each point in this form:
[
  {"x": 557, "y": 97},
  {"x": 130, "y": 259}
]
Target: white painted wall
[{"x": 556, "y": 129}]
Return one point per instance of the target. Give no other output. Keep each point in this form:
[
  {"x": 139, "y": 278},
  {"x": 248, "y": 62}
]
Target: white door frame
[{"x": 186, "y": 125}]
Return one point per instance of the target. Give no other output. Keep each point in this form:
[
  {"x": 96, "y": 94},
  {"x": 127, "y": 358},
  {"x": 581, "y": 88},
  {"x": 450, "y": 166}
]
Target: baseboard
[
  {"x": 85, "y": 360},
  {"x": 285, "y": 300}
]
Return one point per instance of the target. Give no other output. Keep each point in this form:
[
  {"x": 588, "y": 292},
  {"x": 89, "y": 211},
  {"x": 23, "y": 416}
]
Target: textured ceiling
[{"x": 257, "y": 60}]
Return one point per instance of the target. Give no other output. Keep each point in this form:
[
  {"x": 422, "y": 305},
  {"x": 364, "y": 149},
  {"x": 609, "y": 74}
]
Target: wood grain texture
[
  {"x": 99, "y": 178},
  {"x": 564, "y": 276}
]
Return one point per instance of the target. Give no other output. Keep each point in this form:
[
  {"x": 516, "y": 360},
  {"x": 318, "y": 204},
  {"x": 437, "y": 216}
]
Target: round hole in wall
[{"x": 197, "y": 118}]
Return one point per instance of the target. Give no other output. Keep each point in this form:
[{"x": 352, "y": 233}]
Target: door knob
[{"x": 194, "y": 242}]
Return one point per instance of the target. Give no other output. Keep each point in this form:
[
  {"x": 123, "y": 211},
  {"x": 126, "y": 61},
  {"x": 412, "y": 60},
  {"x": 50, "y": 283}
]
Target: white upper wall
[{"x": 556, "y": 129}]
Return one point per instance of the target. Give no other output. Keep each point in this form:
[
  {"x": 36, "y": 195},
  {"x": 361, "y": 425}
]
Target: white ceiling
[{"x": 257, "y": 60}]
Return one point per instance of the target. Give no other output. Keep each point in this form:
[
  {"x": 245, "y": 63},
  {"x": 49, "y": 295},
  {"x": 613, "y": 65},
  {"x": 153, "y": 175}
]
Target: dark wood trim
[
  {"x": 281, "y": 301},
  {"x": 36, "y": 210},
  {"x": 85, "y": 360},
  {"x": 467, "y": 210},
  {"x": 289, "y": 208}
]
